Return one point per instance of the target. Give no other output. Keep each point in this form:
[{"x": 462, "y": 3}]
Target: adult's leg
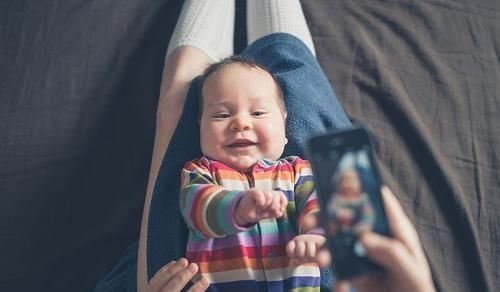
[
  {"x": 203, "y": 34},
  {"x": 265, "y": 17},
  {"x": 181, "y": 67}
]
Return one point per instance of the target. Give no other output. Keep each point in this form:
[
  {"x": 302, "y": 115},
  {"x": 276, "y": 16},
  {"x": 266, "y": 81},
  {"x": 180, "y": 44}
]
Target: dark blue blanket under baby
[{"x": 312, "y": 108}]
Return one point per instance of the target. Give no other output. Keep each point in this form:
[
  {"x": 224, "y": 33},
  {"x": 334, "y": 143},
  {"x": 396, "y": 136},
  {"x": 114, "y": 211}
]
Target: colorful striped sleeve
[
  {"x": 306, "y": 198},
  {"x": 207, "y": 208}
]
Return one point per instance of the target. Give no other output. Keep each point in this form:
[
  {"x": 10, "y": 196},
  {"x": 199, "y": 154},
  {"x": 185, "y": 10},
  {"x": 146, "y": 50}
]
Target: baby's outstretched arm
[
  {"x": 256, "y": 205},
  {"x": 304, "y": 248}
]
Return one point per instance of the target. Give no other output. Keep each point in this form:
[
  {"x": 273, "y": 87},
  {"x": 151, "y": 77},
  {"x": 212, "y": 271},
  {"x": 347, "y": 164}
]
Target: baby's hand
[
  {"x": 256, "y": 205},
  {"x": 304, "y": 248}
]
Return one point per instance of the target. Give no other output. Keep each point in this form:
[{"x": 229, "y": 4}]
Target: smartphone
[{"x": 348, "y": 185}]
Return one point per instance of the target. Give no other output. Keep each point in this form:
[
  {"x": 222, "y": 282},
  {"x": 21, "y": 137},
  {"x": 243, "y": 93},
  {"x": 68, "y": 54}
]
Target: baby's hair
[{"x": 237, "y": 59}]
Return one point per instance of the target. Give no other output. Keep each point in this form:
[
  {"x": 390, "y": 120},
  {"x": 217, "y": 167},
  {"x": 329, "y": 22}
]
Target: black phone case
[{"x": 336, "y": 157}]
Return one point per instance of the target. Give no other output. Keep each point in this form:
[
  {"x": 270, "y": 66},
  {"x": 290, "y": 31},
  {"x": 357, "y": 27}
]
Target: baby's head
[
  {"x": 348, "y": 183},
  {"x": 243, "y": 113}
]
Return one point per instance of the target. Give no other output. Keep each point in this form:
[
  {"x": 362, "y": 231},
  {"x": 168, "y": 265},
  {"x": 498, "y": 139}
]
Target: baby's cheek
[{"x": 275, "y": 135}]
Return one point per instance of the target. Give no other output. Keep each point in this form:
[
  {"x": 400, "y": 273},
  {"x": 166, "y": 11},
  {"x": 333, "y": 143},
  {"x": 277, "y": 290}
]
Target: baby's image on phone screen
[
  {"x": 349, "y": 209},
  {"x": 351, "y": 204},
  {"x": 348, "y": 184}
]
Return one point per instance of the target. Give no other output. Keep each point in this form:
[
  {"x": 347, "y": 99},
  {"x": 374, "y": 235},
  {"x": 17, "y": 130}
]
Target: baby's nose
[{"x": 241, "y": 123}]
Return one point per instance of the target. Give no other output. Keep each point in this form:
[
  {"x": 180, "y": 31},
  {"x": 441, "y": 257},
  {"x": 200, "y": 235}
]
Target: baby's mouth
[{"x": 241, "y": 143}]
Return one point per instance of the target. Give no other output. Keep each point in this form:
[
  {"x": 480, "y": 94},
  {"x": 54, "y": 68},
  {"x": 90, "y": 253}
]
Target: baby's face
[
  {"x": 242, "y": 120},
  {"x": 350, "y": 184}
]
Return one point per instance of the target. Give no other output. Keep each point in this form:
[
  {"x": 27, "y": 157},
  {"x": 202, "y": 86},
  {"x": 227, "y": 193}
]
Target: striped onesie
[{"x": 250, "y": 258}]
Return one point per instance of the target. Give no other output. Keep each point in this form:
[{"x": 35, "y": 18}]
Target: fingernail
[{"x": 192, "y": 268}]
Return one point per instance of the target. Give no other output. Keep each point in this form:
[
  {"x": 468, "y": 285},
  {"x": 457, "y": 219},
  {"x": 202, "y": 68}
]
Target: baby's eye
[
  {"x": 258, "y": 113},
  {"x": 221, "y": 116}
]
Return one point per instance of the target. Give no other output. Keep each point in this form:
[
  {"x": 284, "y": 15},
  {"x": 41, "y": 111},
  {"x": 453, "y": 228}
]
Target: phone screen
[{"x": 348, "y": 185}]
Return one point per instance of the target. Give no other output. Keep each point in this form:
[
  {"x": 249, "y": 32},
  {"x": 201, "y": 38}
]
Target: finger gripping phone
[{"x": 348, "y": 185}]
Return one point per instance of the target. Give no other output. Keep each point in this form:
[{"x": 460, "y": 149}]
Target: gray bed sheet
[{"x": 425, "y": 76}]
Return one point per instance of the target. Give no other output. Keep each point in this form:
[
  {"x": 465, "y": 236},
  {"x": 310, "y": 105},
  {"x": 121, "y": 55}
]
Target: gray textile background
[
  {"x": 425, "y": 75},
  {"x": 79, "y": 82}
]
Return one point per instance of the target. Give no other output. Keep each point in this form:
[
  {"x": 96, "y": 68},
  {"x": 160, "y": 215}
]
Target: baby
[
  {"x": 349, "y": 208},
  {"x": 252, "y": 216}
]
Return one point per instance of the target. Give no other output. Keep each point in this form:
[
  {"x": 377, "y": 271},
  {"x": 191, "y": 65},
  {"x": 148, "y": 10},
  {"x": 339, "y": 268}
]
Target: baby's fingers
[
  {"x": 310, "y": 251},
  {"x": 269, "y": 198},
  {"x": 274, "y": 210},
  {"x": 282, "y": 199},
  {"x": 278, "y": 204},
  {"x": 293, "y": 249},
  {"x": 258, "y": 198},
  {"x": 290, "y": 248},
  {"x": 300, "y": 249}
]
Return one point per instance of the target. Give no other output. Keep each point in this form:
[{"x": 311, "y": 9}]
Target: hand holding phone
[
  {"x": 402, "y": 256},
  {"x": 348, "y": 185}
]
